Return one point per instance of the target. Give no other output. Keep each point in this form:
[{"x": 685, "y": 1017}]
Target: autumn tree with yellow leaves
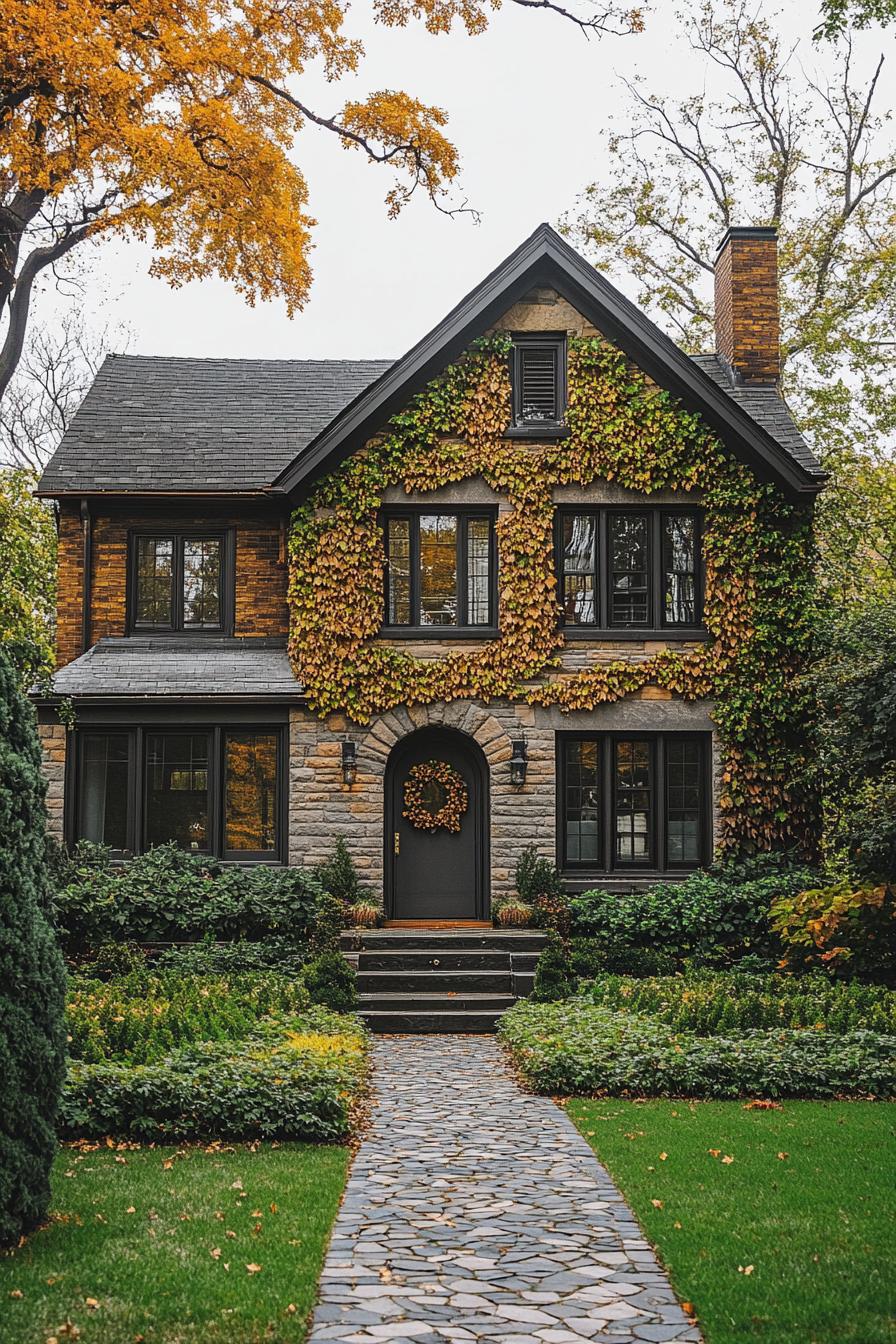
[{"x": 173, "y": 121}]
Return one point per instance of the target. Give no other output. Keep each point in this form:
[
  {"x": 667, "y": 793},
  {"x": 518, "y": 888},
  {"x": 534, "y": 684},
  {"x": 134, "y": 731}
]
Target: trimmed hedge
[
  {"x": 713, "y": 918},
  {"x": 291, "y": 1078},
  {"x": 714, "y": 1003},
  {"x": 169, "y": 894},
  {"x": 578, "y": 1048}
]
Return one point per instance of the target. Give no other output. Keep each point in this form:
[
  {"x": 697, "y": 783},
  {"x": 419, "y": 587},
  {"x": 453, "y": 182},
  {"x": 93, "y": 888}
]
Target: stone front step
[{"x": 441, "y": 980}]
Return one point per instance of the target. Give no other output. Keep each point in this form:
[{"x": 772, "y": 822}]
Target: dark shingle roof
[
  {"x": 151, "y": 423},
  {"x": 163, "y": 667},
  {"x": 768, "y": 408}
]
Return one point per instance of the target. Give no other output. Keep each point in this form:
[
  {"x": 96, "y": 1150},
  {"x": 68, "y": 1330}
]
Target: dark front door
[{"x": 436, "y": 871}]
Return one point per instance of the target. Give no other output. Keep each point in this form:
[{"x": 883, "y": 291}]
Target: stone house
[{"x": 501, "y": 591}]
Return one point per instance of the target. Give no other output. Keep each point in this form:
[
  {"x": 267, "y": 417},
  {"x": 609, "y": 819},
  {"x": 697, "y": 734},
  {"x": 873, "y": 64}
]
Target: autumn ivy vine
[{"x": 622, "y": 428}]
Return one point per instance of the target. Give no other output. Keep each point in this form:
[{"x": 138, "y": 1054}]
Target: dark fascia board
[
  {"x": 546, "y": 259},
  {"x": 162, "y": 702}
]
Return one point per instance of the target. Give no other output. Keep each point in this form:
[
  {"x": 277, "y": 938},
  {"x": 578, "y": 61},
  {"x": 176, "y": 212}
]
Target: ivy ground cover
[
  {"x": 774, "y": 1224},
  {"x": 175, "y": 1246}
]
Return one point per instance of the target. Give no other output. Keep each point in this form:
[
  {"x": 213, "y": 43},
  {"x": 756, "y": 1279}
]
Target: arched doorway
[{"x": 437, "y": 873}]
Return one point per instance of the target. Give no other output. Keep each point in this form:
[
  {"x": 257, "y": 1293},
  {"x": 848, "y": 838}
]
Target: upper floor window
[
  {"x": 630, "y": 568},
  {"x": 440, "y": 570},
  {"x": 538, "y": 378},
  {"x": 180, "y": 581}
]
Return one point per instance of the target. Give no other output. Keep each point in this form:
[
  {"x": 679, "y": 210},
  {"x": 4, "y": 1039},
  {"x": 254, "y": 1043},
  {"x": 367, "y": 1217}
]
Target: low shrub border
[
  {"x": 716, "y": 1003},
  {"x": 578, "y": 1048},
  {"x": 297, "y": 1077}
]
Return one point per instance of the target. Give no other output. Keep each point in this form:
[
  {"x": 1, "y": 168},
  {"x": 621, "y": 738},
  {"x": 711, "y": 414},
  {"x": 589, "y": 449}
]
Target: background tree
[
  {"x": 32, "y": 976},
  {"x": 58, "y": 365},
  {"x": 814, "y": 156},
  {"x": 838, "y": 15},
  {"x": 27, "y": 576},
  {"x": 172, "y": 121}
]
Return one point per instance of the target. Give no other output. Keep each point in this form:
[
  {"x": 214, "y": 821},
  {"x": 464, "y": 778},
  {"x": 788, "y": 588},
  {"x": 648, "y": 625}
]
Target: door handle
[{"x": 397, "y": 843}]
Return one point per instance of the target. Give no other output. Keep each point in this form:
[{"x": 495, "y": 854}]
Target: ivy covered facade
[{"x": 545, "y": 582}]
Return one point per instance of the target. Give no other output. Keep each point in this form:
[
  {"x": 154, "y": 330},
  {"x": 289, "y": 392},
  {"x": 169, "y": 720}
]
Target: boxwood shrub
[
  {"x": 713, "y": 917},
  {"x": 169, "y": 894},
  {"x": 296, "y": 1077},
  {"x": 578, "y": 1048}
]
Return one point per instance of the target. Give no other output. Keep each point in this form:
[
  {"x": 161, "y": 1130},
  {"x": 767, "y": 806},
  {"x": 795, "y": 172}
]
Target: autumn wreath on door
[{"x": 434, "y": 796}]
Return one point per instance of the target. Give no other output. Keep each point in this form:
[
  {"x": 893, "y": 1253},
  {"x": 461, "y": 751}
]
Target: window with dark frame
[
  {"x": 440, "y": 570},
  {"x": 629, "y": 569},
  {"x": 538, "y": 380},
  {"x": 633, "y": 801},
  {"x": 217, "y": 790},
  {"x": 180, "y": 582}
]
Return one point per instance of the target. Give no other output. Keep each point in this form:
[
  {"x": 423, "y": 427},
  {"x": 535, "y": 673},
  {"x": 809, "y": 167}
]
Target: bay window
[{"x": 215, "y": 790}]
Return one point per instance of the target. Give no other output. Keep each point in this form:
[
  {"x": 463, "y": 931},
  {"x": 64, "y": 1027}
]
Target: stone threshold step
[
  {"x": 438, "y": 959},
  {"x": 420, "y": 1023},
  {"x": 390, "y": 940},
  {"x": 445, "y": 1002}
]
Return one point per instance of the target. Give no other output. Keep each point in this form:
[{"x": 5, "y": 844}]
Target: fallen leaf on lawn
[
  {"x": 663, "y": 1156},
  {"x": 782, "y": 1157},
  {"x": 91, "y": 1302},
  {"x": 292, "y": 1309},
  {"x": 253, "y": 1269},
  {"x": 17, "y": 1293},
  {"x": 727, "y": 1160},
  {"x": 122, "y": 1160},
  {"x": 98, "y": 1217},
  {"x": 714, "y": 1152},
  {"x": 230, "y": 1232},
  {"x": 237, "y": 1184},
  {"x": 745, "y": 1269},
  {"x": 216, "y": 1253},
  {"x": 167, "y": 1164},
  {"x": 687, "y": 1308},
  {"x": 219, "y": 1214},
  {"x": 657, "y": 1203},
  {"x": 763, "y": 1106},
  {"x": 273, "y": 1208},
  {"x": 256, "y": 1213},
  {"x": 256, "y": 1228},
  {"x": 131, "y": 1209},
  {"x": 677, "y": 1224}
]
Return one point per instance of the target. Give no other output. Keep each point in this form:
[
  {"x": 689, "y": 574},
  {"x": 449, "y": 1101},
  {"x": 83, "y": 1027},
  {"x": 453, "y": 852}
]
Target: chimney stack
[{"x": 746, "y": 301}]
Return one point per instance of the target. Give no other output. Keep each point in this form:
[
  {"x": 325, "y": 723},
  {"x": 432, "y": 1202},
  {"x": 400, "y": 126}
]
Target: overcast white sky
[{"x": 526, "y": 101}]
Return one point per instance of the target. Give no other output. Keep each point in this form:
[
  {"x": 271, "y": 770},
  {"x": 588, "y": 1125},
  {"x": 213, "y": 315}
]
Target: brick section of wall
[
  {"x": 53, "y": 742},
  {"x": 261, "y": 576},
  {"x": 70, "y": 552},
  {"x": 746, "y": 304},
  {"x": 321, "y": 806}
]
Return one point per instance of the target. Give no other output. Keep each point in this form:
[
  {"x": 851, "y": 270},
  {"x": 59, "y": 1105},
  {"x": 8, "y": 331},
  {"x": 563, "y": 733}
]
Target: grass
[
  {"x": 806, "y": 1203},
  {"x": 152, "y": 1245}
]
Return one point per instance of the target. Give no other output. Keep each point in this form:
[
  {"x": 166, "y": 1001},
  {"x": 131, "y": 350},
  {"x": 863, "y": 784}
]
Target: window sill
[
  {"x": 536, "y": 432},
  {"x": 439, "y": 633},
  {"x": 189, "y": 632},
  {"x": 603, "y": 634}
]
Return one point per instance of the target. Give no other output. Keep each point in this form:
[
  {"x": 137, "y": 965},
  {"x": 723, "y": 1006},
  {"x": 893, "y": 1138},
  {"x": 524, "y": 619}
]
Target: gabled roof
[
  {"x": 545, "y": 259},
  {"x": 239, "y": 426},
  {"x": 151, "y": 424}
]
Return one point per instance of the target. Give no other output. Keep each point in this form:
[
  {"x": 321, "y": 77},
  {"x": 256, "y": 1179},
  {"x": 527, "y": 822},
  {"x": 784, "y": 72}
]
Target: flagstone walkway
[{"x": 477, "y": 1212}]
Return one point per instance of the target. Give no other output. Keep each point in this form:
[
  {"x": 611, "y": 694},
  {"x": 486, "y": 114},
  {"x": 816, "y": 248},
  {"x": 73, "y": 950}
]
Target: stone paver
[{"x": 475, "y": 1212}]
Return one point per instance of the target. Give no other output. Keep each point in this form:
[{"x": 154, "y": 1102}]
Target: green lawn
[
  {"x": 792, "y": 1241},
  {"x": 153, "y": 1245}
]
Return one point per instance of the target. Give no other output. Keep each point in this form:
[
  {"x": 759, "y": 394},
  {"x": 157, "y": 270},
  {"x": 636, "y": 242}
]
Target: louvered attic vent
[{"x": 539, "y": 380}]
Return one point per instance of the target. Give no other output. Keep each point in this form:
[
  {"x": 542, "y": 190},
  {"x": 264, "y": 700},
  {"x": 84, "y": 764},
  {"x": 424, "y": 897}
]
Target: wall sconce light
[
  {"x": 519, "y": 762},
  {"x": 349, "y": 762}
]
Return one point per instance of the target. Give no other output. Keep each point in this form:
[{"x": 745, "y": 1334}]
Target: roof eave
[{"x": 545, "y": 258}]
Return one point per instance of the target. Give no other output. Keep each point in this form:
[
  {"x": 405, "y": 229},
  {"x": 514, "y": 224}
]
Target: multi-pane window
[
  {"x": 213, "y": 790},
  {"x": 440, "y": 570},
  {"x": 178, "y": 582},
  {"x": 629, "y": 569},
  {"x": 105, "y": 787},
  {"x": 629, "y": 801},
  {"x": 538, "y": 378}
]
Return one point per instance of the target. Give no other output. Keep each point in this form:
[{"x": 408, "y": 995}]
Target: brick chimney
[{"x": 747, "y": 318}]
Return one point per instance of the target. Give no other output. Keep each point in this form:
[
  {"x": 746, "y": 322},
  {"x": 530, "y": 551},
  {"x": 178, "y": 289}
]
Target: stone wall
[
  {"x": 53, "y": 742},
  {"x": 322, "y": 807}
]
